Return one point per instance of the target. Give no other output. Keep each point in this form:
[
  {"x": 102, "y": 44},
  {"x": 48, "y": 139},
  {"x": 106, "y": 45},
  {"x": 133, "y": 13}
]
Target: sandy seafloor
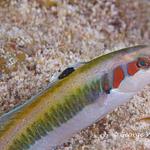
[{"x": 40, "y": 38}]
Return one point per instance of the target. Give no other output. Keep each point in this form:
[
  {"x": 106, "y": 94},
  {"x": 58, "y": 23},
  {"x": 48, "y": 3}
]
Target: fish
[
  {"x": 78, "y": 98},
  {"x": 144, "y": 119}
]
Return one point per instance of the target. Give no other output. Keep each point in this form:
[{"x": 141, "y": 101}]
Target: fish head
[
  {"x": 131, "y": 73},
  {"x": 138, "y": 69}
]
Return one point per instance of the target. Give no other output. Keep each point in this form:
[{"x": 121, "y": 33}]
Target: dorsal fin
[{"x": 66, "y": 72}]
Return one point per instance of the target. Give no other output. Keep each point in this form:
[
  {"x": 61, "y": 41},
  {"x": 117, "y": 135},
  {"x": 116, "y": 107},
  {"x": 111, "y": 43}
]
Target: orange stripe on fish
[
  {"x": 132, "y": 68},
  {"x": 118, "y": 76}
]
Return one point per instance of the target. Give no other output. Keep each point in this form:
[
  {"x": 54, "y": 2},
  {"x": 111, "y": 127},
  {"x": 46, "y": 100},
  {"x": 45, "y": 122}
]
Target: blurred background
[{"x": 39, "y": 38}]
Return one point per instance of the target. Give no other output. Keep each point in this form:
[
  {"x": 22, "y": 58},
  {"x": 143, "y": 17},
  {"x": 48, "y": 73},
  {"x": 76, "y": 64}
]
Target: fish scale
[{"x": 74, "y": 102}]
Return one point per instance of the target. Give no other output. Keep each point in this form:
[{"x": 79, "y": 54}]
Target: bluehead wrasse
[{"x": 79, "y": 98}]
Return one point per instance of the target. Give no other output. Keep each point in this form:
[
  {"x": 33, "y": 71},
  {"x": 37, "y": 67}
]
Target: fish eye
[{"x": 143, "y": 62}]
